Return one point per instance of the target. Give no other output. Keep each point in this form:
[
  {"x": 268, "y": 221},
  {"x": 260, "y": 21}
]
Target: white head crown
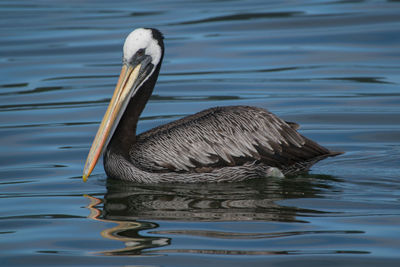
[{"x": 142, "y": 39}]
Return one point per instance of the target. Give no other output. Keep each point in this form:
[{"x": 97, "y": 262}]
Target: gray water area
[{"x": 331, "y": 66}]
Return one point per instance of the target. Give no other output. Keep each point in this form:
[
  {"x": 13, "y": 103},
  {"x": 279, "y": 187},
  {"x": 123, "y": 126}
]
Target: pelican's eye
[
  {"x": 137, "y": 57},
  {"x": 140, "y": 53}
]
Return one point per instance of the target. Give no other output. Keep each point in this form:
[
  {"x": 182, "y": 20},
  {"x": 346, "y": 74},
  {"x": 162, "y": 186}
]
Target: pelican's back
[{"x": 223, "y": 137}]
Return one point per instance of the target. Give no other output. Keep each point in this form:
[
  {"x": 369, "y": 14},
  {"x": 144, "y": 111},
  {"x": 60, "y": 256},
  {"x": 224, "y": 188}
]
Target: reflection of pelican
[
  {"x": 219, "y": 144},
  {"x": 151, "y": 217},
  {"x": 125, "y": 231},
  {"x": 245, "y": 201}
]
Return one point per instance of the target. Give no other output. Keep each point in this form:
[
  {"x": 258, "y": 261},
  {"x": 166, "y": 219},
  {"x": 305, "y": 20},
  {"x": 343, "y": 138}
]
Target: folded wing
[{"x": 224, "y": 136}]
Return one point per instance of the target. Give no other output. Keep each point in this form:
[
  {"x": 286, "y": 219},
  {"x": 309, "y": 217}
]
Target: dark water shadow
[
  {"x": 137, "y": 207},
  {"x": 240, "y": 17}
]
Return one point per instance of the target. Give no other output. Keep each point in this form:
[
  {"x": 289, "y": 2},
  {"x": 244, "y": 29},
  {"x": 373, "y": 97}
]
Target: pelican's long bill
[{"x": 120, "y": 99}]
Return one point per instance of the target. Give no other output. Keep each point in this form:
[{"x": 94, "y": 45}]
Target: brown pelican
[{"x": 220, "y": 144}]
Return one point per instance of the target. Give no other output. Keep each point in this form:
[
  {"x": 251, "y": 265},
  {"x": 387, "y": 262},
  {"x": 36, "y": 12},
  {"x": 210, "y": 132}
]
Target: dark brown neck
[{"x": 125, "y": 134}]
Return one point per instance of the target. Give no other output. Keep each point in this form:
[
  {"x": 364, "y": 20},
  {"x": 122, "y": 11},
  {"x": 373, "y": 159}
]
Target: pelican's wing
[{"x": 223, "y": 136}]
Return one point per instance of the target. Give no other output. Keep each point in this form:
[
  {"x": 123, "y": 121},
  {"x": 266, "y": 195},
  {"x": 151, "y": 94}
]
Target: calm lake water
[{"x": 331, "y": 66}]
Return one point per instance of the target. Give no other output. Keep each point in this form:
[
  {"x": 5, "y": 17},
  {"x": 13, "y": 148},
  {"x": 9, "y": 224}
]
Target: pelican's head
[{"x": 143, "y": 52}]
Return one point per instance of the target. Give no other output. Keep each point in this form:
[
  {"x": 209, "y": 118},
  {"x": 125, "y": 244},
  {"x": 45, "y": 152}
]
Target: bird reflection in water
[
  {"x": 135, "y": 207},
  {"x": 125, "y": 231}
]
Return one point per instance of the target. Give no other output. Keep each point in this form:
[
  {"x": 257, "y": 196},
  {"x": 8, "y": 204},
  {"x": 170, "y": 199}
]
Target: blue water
[{"x": 331, "y": 66}]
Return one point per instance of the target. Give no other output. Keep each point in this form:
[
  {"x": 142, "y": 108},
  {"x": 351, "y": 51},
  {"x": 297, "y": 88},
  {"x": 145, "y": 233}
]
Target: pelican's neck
[{"x": 125, "y": 134}]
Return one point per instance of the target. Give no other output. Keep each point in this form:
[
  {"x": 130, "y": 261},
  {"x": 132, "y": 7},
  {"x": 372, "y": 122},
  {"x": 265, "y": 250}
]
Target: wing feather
[{"x": 223, "y": 136}]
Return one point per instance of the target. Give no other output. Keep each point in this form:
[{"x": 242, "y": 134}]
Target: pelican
[{"x": 220, "y": 144}]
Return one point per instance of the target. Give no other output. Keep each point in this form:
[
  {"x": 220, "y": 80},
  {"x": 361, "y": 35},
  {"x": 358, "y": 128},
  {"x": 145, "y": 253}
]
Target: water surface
[{"x": 331, "y": 66}]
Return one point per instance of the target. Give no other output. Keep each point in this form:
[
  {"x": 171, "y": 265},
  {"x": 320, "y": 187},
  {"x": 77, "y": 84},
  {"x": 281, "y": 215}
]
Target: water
[{"x": 332, "y": 66}]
